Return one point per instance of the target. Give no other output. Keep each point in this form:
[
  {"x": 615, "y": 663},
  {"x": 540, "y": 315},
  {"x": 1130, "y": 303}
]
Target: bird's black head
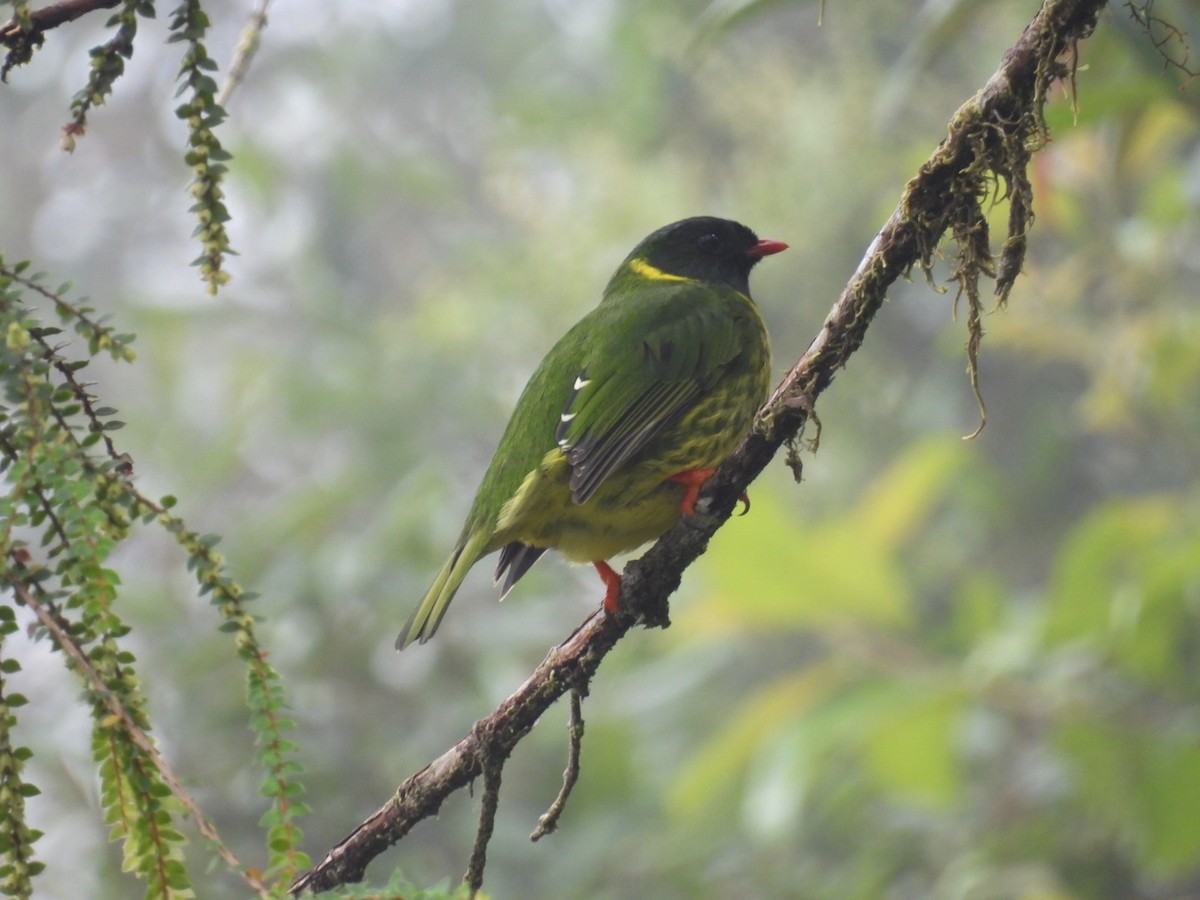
[{"x": 704, "y": 248}]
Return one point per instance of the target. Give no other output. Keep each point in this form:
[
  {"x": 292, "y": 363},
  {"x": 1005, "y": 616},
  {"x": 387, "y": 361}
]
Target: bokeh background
[{"x": 935, "y": 668}]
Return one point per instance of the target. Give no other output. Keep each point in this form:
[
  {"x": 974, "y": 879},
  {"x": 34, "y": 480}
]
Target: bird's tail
[{"x": 428, "y": 616}]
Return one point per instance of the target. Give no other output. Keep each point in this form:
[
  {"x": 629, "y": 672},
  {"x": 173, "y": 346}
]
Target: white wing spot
[
  {"x": 581, "y": 383},
  {"x": 567, "y": 417}
]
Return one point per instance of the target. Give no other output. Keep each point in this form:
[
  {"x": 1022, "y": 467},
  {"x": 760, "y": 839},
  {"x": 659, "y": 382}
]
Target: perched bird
[{"x": 626, "y": 417}]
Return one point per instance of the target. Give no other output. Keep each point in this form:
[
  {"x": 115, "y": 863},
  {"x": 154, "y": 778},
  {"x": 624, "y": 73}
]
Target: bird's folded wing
[{"x": 635, "y": 385}]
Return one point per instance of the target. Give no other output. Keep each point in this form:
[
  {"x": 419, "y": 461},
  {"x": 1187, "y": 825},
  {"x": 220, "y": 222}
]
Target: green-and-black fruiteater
[{"x": 626, "y": 417}]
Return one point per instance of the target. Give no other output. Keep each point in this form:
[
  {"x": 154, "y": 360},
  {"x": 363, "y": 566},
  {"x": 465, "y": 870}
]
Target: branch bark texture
[{"x": 989, "y": 144}]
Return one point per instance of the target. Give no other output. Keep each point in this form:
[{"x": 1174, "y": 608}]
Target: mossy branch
[{"x": 990, "y": 141}]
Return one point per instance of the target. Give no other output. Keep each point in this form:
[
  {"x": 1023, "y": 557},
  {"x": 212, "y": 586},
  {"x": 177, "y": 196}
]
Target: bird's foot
[
  {"x": 612, "y": 585},
  {"x": 693, "y": 480},
  {"x": 744, "y": 499}
]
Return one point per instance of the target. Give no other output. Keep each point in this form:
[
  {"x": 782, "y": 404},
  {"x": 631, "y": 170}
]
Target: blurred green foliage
[{"x": 934, "y": 669}]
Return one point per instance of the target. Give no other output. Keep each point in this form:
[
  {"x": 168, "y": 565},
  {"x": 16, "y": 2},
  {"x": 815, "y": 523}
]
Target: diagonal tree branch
[{"x": 986, "y": 151}]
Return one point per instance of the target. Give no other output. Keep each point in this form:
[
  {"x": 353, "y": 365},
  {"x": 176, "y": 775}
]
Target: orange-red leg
[
  {"x": 612, "y": 585},
  {"x": 693, "y": 480}
]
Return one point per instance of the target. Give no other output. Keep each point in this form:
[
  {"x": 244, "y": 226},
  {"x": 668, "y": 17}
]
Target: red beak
[{"x": 766, "y": 248}]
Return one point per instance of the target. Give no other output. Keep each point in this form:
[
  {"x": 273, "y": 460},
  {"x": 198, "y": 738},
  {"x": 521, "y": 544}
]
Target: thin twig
[
  {"x": 492, "y": 767},
  {"x": 247, "y": 46},
  {"x": 548, "y": 821},
  {"x": 39, "y": 491},
  {"x": 1162, "y": 35},
  {"x": 66, "y": 309}
]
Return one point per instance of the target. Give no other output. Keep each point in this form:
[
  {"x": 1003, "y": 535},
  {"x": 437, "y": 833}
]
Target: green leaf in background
[
  {"x": 1125, "y": 584},
  {"x": 1141, "y": 784},
  {"x": 844, "y": 568},
  {"x": 912, "y": 751},
  {"x": 1169, "y": 799},
  {"x": 717, "y": 768},
  {"x": 787, "y": 732}
]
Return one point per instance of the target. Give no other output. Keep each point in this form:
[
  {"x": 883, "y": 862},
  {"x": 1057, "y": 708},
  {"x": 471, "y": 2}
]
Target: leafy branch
[
  {"x": 17, "y": 865},
  {"x": 990, "y": 142},
  {"x": 206, "y": 156},
  {"x": 26, "y": 30},
  {"x": 108, "y": 64},
  {"x": 200, "y": 111},
  {"x": 84, "y": 504},
  {"x": 119, "y": 714}
]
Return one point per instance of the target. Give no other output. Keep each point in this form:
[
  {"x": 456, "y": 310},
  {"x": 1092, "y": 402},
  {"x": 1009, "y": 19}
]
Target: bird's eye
[{"x": 708, "y": 242}]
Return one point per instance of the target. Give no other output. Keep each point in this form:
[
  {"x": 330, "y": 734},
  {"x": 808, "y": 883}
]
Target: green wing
[
  {"x": 643, "y": 372},
  {"x": 627, "y": 370}
]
